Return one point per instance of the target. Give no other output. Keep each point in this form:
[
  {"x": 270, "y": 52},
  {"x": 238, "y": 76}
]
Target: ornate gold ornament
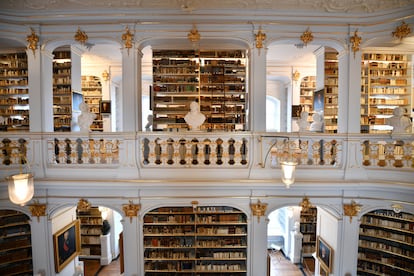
[
  {"x": 355, "y": 42},
  {"x": 83, "y": 204},
  {"x": 38, "y": 210},
  {"x": 306, "y": 37},
  {"x": 402, "y": 31},
  {"x": 296, "y": 75},
  {"x": 258, "y": 209},
  {"x": 33, "y": 39},
  {"x": 260, "y": 37},
  {"x": 306, "y": 204},
  {"x": 81, "y": 36},
  {"x": 352, "y": 209},
  {"x": 194, "y": 35},
  {"x": 127, "y": 37},
  {"x": 131, "y": 210},
  {"x": 105, "y": 75}
]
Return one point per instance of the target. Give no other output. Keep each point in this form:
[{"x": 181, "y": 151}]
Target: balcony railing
[{"x": 136, "y": 155}]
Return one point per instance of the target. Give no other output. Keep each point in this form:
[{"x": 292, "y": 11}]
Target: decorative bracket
[
  {"x": 306, "y": 204},
  {"x": 194, "y": 35},
  {"x": 33, "y": 39},
  {"x": 131, "y": 210},
  {"x": 402, "y": 31},
  {"x": 258, "y": 209},
  {"x": 260, "y": 37},
  {"x": 127, "y": 37},
  {"x": 81, "y": 36},
  {"x": 306, "y": 37},
  {"x": 351, "y": 210},
  {"x": 38, "y": 210},
  {"x": 83, "y": 204},
  {"x": 355, "y": 42}
]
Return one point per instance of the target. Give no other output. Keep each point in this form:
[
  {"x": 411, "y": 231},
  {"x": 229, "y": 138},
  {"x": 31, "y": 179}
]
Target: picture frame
[
  {"x": 324, "y": 253},
  {"x": 323, "y": 270},
  {"x": 296, "y": 111},
  {"x": 105, "y": 107},
  {"x": 66, "y": 243}
]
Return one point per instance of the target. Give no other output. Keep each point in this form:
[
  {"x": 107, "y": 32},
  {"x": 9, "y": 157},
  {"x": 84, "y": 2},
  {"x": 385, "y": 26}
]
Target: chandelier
[{"x": 21, "y": 185}]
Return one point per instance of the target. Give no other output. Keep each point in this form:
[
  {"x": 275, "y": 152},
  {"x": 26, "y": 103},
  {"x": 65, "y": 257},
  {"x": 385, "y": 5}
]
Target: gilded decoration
[
  {"x": 32, "y": 40},
  {"x": 131, "y": 210},
  {"x": 352, "y": 209},
  {"x": 355, "y": 42},
  {"x": 81, "y": 36},
  {"x": 194, "y": 35},
  {"x": 258, "y": 209},
  {"x": 38, "y": 210},
  {"x": 402, "y": 31},
  {"x": 260, "y": 37},
  {"x": 127, "y": 37},
  {"x": 305, "y": 204},
  {"x": 306, "y": 37},
  {"x": 83, "y": 204}
]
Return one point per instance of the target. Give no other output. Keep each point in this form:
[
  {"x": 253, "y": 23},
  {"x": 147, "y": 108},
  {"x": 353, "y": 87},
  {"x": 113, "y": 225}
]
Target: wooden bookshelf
[
  {"x": 331, "y": 91},
  {"x": 91, "y": 230},
  {"x": 92, "y": 94},
  {"x": 308, "y": 220},
  {"x": 198, "y": 241}
]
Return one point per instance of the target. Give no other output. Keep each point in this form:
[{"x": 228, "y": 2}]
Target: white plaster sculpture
[
  {"x": 399, "y": 122},
  {"x": 303, "y": 122},
  {"x": 194, "y": 118},
  {"x": 150, "y": 120},
  {"x": 86, "y": 117},
  {"x": 317, "y": 123}
]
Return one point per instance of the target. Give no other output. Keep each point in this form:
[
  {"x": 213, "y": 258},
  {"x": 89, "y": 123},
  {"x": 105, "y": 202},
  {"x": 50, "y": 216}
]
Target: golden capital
[
  {"x": 38, "y": 210},
  {"x": 351, "y": 209},
  {"x": 258, "y": 209},
  {"x": 131, "y": 210}
]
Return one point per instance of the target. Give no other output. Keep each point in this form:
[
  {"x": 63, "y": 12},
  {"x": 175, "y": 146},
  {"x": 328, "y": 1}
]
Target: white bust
[
  {"x": 317, "y": 123},
  {"x": 194, "y": 118},
  {"x": 86, "y": 117},
  {"x": 399, "y": 122},
  {"x": 303, "y": 121}
]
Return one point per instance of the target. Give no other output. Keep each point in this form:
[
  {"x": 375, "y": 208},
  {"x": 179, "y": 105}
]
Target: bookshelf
[
  {"x": 216, "y": 79},
  {"x": 385, "y": 85},
  {"x": 15, "y": 241},
  {"x": 331, "y": 91},
  {"x": 91, "y": 230},
  {"x": 92, "y": 94},
  {"x": 308, "y": 220},
  {"x": 200, "y": 241},
  {"x": 307, "y": 87},
  {"x": 14, "y": 92},
  {"x": 386, "y": 243}
]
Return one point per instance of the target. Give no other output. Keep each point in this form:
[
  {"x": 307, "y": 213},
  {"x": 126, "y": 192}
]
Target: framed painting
[
  {"x": 324, "y": 253},
  {"x": 323, "y": 270},
  {"x": 105, "y": 107},
  {"x": 66, "y": 243}
]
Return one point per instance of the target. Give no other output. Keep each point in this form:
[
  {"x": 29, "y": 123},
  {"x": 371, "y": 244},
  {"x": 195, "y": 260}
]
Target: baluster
[
  {"x": 182, "y": 151},
  {"x": 207, "y": 151},
  {"x": 219, "y": 151},
  {"x": 79, "y": 150},
  {"x": 157, "y": 151},
  {"x": 68, "y": 150},
  {"x": 231, "y": 151},
  {"x": 243, "y": 151},
  {"x": 194, "y": 151},
  {"x": 170, "y": 151},
  {"x": 145, "y": 151}
]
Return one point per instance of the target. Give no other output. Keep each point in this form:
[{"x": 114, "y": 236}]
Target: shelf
[
  {"x": 385, "y": 243},
  {"x": 91, "y": 230},
  {"x": 187, "y": 239},
  {"x": 208, "y": 77}
]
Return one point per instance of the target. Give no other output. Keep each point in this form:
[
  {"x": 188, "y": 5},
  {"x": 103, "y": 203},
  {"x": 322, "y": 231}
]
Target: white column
[
  {"x": 40, "y": 255},
  {"x": 258, "y": 90},
  {"x": 258, "y": 246},
  {"x": 131, "y": 246},
  {"x": 35, "y": 100},
  {"x": 129, "y": 95},
  {"x": 349, "y": 243},
  {"x": 46, "y": 93}
]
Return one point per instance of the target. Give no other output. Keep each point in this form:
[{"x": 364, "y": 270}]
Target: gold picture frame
[
  {"x": 324, "y": 253},
  {"x": 323, "y": 270},
  {"x": 66, "y": 244}
]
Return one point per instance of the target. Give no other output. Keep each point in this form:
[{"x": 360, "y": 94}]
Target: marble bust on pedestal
[{"x": 194, "y": 118}]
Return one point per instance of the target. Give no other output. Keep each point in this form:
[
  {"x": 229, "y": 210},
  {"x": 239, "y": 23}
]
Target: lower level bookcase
[
  {"x": 386, "y": 244},
  {"x": 195, "y": 241}
]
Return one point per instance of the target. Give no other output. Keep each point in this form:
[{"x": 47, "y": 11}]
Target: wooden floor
[{"x": 279, "y": 266}]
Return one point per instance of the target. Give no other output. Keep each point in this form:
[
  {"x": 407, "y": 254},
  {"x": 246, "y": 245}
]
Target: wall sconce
[
  {"x": 288, "y": 163},
  {"x": 21, "y": 185},
  {"x": 106, "y": 76}
]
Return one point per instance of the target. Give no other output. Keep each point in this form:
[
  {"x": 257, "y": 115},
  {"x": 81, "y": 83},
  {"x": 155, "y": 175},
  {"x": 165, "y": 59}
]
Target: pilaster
[
  {"x": 258, "y": 246},
  {"x": 46, "y": 93},
  {"x": 34, "y": 69},
  {"x": 41, "y": 257},
  {"x": 129, "y": 96},
  {"x": 258, "y": 89},
  {"x": 131, "y": 246}
]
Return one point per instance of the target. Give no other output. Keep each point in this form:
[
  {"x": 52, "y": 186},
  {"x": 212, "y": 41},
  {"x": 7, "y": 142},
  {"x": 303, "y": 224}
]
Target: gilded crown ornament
[
  {"x": 32, "y": 39},
  {"x": 306, "y": 204},
  {"x": 38, "y": 210},
  {"x": 352, "y": 209},
  {"x": 81, "y": 36},
  {"x": 355, "y": 42},
  {"x": 306, "y": 37},
  {"x": 127, "y": 37},
  {"x": 258, "y": 209},
  {"x": 260, "y": 37},
  {"x": 402, "y": 31},
  {"x": 83, "y": 204},
  {"x": 194, "y": 35},
  {"x": 131, "y": 210}
]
